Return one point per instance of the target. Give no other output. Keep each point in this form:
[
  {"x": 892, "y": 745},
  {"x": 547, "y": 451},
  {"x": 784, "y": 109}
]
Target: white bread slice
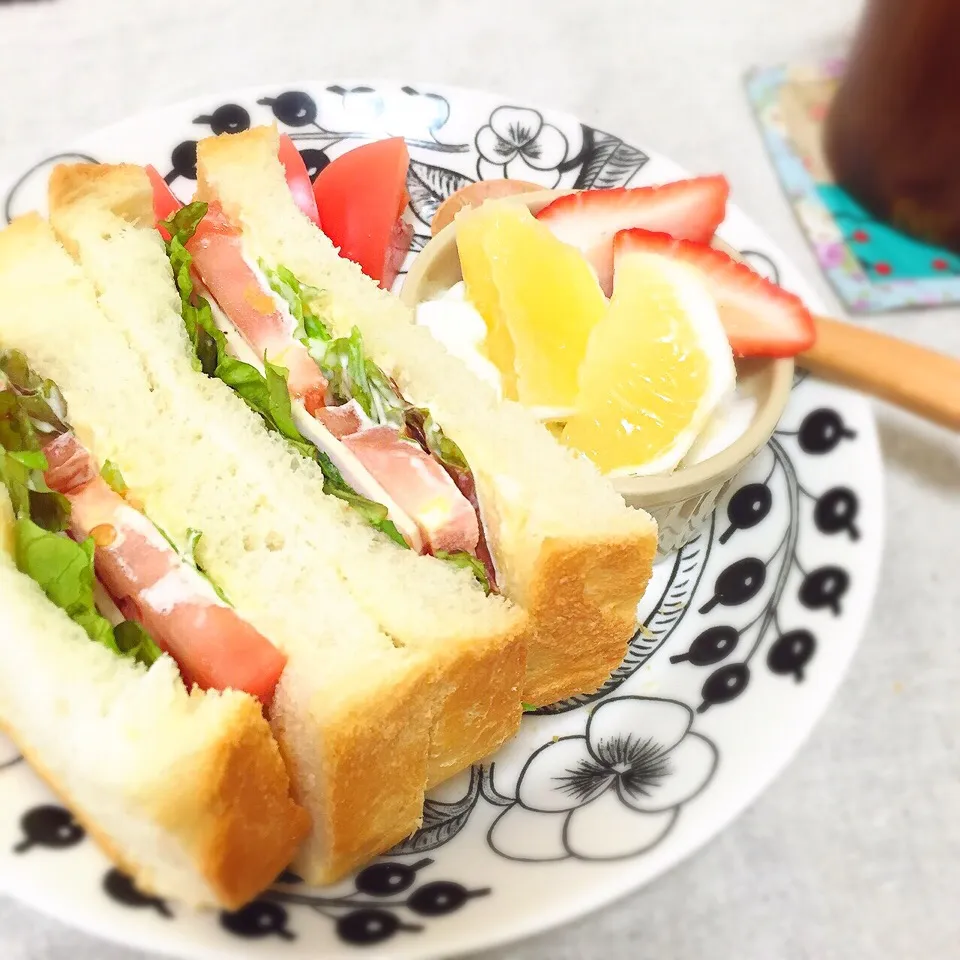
[
  {"x": 353, "y": 711},
  {"x": 475, "y": 643},
  {"x": 567, "y": 548},
  {"x": 186, "y": 792}
]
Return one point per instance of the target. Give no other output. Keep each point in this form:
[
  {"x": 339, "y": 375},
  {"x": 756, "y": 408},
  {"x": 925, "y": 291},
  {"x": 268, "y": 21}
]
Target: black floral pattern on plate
[
  {"x": 387, "y": 899},
  {"x": 49, "y": 826}
]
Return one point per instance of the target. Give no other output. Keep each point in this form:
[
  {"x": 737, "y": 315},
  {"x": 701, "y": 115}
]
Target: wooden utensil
[{"x": 916, "y": 379}]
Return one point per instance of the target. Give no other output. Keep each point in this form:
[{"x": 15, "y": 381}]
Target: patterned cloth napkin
[{"x": 872, "y": 266}]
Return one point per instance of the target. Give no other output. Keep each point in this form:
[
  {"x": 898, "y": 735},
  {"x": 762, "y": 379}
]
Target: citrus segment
[
  {"x": 656, "y": 366},
  {"x": 550, "y": 301},
  {"x": 473, "y": 227}
]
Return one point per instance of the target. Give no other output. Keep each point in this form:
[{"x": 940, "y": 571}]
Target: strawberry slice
[
  {"x": 588, "y": 220},
  {"x": 760, "y": 318}
]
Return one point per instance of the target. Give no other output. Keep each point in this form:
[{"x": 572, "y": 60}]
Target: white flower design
[
  {"x": 516, "y": 141},
  {"x": 613, "y": 792}
]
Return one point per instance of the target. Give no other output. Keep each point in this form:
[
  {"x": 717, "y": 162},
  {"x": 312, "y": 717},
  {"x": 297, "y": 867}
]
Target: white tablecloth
[{"x": 854, "y": 853}]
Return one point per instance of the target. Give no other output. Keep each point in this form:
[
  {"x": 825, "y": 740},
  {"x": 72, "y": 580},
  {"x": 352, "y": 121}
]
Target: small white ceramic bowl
[{"x": 682, "y": 500}]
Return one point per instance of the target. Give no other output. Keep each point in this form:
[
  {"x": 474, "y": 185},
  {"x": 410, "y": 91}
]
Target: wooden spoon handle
[{"x": 919, "y": 380}]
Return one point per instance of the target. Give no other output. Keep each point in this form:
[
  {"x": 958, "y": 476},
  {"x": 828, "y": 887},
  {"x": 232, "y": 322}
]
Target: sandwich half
[
  {"x": 432, "y": 609},
  {"x": 356, "y": 710},
  {"x": 185, "y": 790},
  {"x": 563, "y": 544}
]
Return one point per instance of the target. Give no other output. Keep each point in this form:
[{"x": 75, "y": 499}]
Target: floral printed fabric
[{"x": 872, "y": 266}]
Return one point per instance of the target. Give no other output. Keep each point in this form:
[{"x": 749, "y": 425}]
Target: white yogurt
[{"x": 457, "y": 324}]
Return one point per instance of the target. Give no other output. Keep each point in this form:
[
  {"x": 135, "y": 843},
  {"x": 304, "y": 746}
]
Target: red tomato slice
[
  {"x": 165, "y": 204},
  {"x": 360, "y": 198},
  {"x": 149, "y": 580},
  {"x": 298, "y": 180}
]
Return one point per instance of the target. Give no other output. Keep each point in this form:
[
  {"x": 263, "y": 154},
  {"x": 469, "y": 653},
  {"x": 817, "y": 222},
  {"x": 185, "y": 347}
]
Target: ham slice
[
  {"x": 421, "y": 487},
  {"x": 343, "y": 420}
]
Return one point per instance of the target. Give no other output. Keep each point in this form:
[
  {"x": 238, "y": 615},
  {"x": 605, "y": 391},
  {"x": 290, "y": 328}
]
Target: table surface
[{"x": 855, "y": 851}]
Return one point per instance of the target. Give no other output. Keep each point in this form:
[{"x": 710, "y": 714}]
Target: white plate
[{"x": 746, "y": 633}]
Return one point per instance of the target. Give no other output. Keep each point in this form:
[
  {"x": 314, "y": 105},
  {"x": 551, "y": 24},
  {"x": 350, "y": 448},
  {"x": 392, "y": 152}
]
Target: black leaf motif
[
  {"x": 441, "y": 821},
  {"x": 429, "y": 186},
  {"x": 610, "y": 163},
  {"x": 417, "y": 242}
]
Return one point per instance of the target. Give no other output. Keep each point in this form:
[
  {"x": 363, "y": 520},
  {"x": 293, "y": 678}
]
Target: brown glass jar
[{"x": 892, "y": 136}]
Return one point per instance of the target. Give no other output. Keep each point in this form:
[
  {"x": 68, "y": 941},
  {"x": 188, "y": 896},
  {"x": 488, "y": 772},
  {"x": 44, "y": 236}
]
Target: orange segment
[
  {"x": 473, "y": 226},
  {"x": 656, "y": 367},
  {"x": 550, "y": 301}
]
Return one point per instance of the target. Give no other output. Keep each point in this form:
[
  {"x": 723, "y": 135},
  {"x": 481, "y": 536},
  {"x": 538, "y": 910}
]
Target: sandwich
[
  {"x": 428, "y": 456},
  {"x": 126, "y": 679},
  {"x": 394, "y": 679},
  {"x": 562, "y": 542}
]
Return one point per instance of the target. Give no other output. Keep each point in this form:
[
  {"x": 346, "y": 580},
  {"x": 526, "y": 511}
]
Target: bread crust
[
  {"x": 482, "y": 710},
  {"x": 583, "y": 604},
  {"x": 246, "y": 827},
  {"x": 229, "y": 809},
  {"x": 581, "y": 593},
  {"x": 369, "y": 766},
  {"x": 124, "y": 189}
]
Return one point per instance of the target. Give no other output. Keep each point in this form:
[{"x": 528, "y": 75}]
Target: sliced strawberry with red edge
[
  {"x": 760, "y": 318},
  {"x": 588, "y": 220}
]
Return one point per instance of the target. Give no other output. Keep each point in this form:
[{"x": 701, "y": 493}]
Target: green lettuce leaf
[
  {"x": 30, "y": 407},
  {"x": 209, "y": 343},
  {"x": 113, "y": 477},
  {"x": 374, "y": 513},
  {"x": 189, "y": 554},
  {"x": 421, "y": 426},
  {"x": 266, "y": 394},
  {"x": 133, "y": 641},
  {"x": 41, "y": 400},
  {"x": 467, "y": 561},
  {"x": 342, "y": 363},
  {"x": 299, "y": 297},
  {"x": 352, "y": 375},
  {"x": 22, "y": 462},
  {"x": 31, "y": 459},
  {"x": 64, "y": 571}
]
